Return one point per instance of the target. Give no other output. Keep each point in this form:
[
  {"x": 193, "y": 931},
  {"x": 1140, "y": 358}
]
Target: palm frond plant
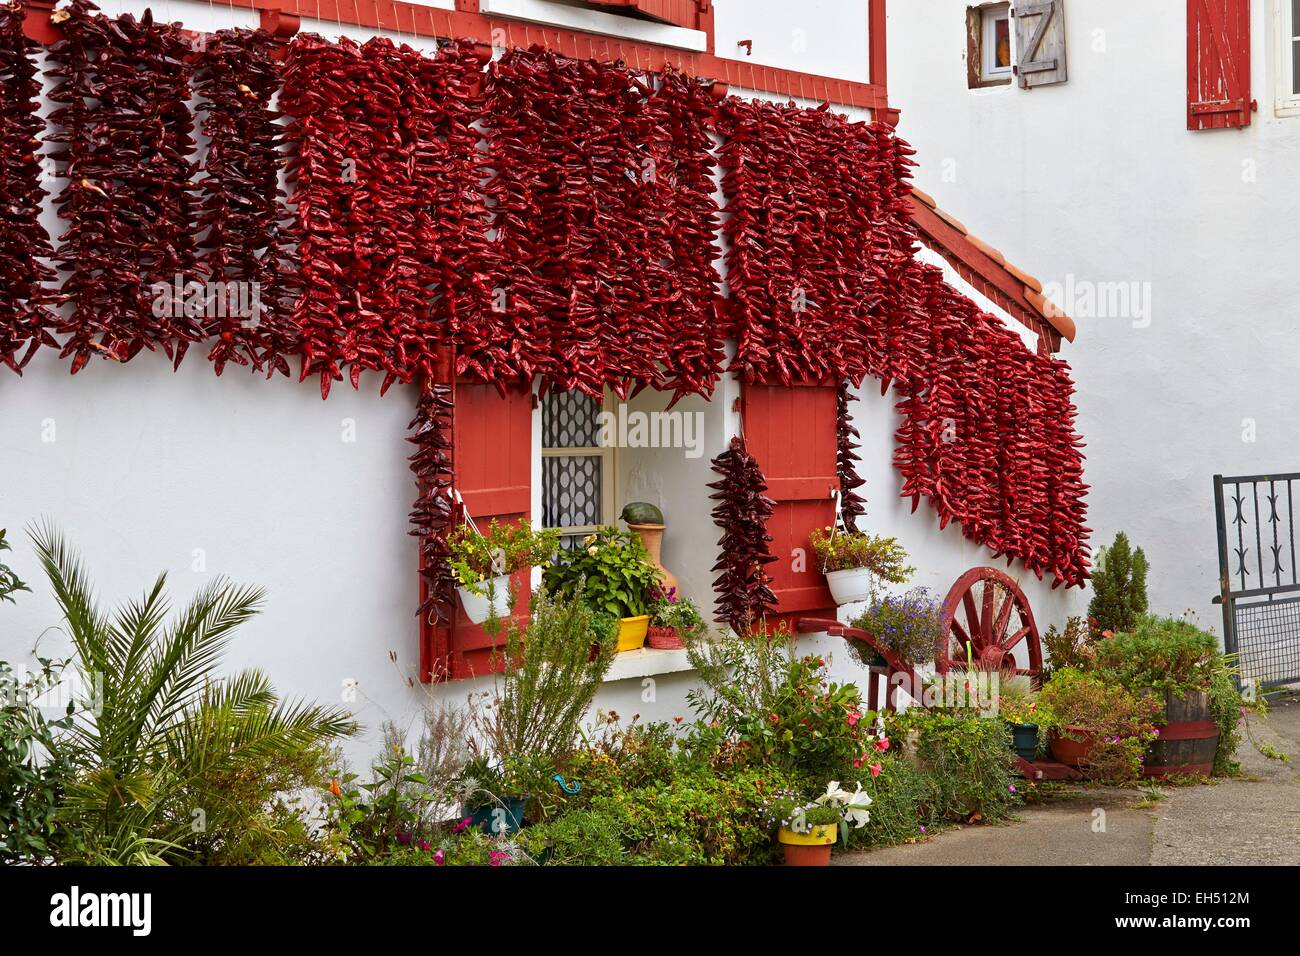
[{"x": 158, "y": 736}]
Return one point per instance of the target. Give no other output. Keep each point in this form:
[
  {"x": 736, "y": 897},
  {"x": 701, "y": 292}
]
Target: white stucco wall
[
  {"x": 148, "y": 470},
  {"x": 1098, "y": 179}
]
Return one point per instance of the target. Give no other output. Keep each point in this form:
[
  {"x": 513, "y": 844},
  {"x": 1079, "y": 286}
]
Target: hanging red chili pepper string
[
  {"x": 742, "y": 512},
  {"x": 24, "y": 320},
  {"x": 245, "y": 252},
  {"x": 603, "y": 214},
  {"x": 434, "y": 515},
  {"x": 382, "y": 136},
  {"x": 852, "y": 504},
  {"x": 126, "y": 132}
]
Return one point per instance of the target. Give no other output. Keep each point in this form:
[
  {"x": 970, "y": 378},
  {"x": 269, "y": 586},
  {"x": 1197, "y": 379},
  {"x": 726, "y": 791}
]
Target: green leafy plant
[
  {"x": 550, "y": 672},
  {"x": 504, "y": 549},
  {"x": 612, "y": 571},
  {"x": 1163, "y": 654},
  {"x": 1073, "y": 645},
  {"x": 909, "y": 625},
  {"x": 10, "y": 584},
  {"x": 839, "y": 550},
  {"x": 1119, "y": 586},
  {"x": 34, "y": 770},
  {"x": 1120, "y": 723},
  {"x": 779, "y": 706},
  {"x": 154, "y": 749},
  {"x": 1017, "y": 700},
  {"x": 969, "y": 760},
  {"x": 668, "y": 609}
]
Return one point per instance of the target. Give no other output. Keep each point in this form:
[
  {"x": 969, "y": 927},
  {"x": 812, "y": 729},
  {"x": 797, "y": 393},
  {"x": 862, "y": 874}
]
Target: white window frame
[
  {"x": 1287, "y": 101},
  {"x": 989, "y": 17},
  {"x": 608, "y": 479}
]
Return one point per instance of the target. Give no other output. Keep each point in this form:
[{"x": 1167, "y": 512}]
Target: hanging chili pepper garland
[
  {"x": 852, "y": 504},
  {"x": 382, "y": 135},
  {"x": 250, "y": 280},
  {"x": 823, "y": 272},
  {"x": 434, "y": 515},
  {"x": 126, "y": 134},
  {"x": 603, "y": 214},
  {"x": 742, "y": 512},
  {"x": 24, "y": 319}
]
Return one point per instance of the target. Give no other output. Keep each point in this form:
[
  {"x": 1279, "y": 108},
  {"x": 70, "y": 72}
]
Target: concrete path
[{"x": 1252, "y": 819}]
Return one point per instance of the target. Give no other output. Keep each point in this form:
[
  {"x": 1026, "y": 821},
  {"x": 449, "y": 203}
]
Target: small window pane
[
  {"x": 1002, "y": 42},
  {"x": 1295, "y": 66},
  {"x": 571, "y": 491},
  {"x": 1295, "y": 18},
  {"x": 570, "y": 420}
]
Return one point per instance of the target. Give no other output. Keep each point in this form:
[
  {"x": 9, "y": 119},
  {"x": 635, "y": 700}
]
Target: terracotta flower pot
[
  {"x": 664, "y": 638},
  {"x": 809, "y": 849},
  {"x": 652, "y": 536},
  {"x": 1072, "y": 753}
]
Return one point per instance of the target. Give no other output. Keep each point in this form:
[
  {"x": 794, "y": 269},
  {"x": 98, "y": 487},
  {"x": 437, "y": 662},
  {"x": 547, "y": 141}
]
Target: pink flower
[
  {"x": 1156, "y": 731},
  {"x": 497, "y": 857},
  {"x": 875, "y": 769},
  {"x": 922, "y": 829},
  {"x": 882, "y": 744},
  {"x": 1012, "y": 788},
  {"x": 853, "y": 718},
  {"x": 461, "y": 826},
  {"x": 439, "y": 858}
]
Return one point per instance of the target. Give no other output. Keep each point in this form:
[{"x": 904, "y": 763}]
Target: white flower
[{"x": 852, "y": 806}]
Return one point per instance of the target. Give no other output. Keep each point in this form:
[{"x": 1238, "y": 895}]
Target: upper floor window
[{"x": 988, "y": 45}]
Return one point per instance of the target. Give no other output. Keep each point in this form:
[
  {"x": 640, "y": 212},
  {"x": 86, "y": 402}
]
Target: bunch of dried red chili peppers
[
  {"x": 382, "y": 137},
  {"x": 249, "y": 278},
  {"x": 742, "y": 512},
  {"x": 852, "y": 505},
  {"x": 126, "y": 134},
  {"x": 605, "y": 228},
  {"x": 24, "y": 319},
  {"x": 435, "y": 513}
]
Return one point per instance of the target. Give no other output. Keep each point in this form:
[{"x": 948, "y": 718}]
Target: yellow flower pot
[
  {"x": 632, "y": 632},
  {"x": 823, "y": 834},
  {"x": 809, "y": 849}
]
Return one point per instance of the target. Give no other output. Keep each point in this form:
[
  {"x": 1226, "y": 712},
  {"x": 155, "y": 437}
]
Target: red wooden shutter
[
  {"x": 493, "y": 462},
  {"x": 1218, "y": 64},
  {"x": 681, "y": 13},
  {"x": 791, "y": 431}
]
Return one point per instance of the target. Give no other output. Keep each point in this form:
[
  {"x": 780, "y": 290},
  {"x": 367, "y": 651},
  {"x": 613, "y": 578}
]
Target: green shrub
[
  {"x": 1164, "y": 654},
  {"x": 502, "y": 549},
  {"x": 1119, "y": 586},
  {"x": 1122, "y": 723},
  {"x": 1074, "y": 645},
  {"x": 969, "y": 761},
  {"x": 580, "y": 838},
  {"x": 781, "y": 708},
  {"x": 905, "y": 804},
  {"x": 1228, "y": 710}
]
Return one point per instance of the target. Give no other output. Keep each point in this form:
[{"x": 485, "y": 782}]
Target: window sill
[{"x": 647, "y": 662}]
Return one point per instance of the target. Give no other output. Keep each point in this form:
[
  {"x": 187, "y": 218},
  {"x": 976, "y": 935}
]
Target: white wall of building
[
  {"x": 1099, "y": 179},
  {"x": 146, "y": 469}
]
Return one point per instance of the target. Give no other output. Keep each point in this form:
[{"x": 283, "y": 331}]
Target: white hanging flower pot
[
  {"x": 478, "y": 607},
  {"x": 850, "y": 585}
]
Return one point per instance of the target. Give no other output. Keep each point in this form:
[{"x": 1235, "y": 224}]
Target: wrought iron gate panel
[{"x": 1259, "y": 583}]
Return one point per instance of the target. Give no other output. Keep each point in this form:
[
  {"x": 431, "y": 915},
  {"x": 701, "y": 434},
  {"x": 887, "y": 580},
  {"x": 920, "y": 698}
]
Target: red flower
[
  {"x": 882, "y": 744},
  {"x": 875, "y": 769},
  {"x": 853, "y": 718}
]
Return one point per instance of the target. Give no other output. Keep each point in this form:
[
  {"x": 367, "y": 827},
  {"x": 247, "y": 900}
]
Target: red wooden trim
[
  {"x": 1189, "y": 730},
  {"x": 988, "y": 276},
  {"x": 412, "y": 19},
  {"x": 1046, "y": 770},
  {"x": 879, "y": 53},
  {"x": 507, "y": 500}
]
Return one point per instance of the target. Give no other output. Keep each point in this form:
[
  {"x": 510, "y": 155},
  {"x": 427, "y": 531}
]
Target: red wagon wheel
[{"x": 987, "y": 611}]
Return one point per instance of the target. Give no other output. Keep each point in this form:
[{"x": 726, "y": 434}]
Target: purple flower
[{"x": 1012, "y": 788}]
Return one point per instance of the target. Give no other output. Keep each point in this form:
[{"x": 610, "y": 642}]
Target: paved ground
[{"x": 1253, "y": 819}]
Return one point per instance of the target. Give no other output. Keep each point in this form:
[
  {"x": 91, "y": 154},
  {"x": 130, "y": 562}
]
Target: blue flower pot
[
  {"x": 503, "y": 817},
  {"x": 1024, "y": 738}
]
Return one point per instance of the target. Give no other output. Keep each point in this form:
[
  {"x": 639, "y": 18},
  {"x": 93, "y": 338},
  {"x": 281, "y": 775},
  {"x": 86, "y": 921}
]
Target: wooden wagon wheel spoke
[{"x": 986, "y": 638}]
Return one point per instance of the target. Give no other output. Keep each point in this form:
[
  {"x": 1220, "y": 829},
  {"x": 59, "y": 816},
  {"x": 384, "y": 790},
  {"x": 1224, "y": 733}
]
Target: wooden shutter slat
[{"x": 1040, "y": 43}]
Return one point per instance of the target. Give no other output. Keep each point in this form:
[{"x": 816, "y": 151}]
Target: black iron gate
[{"x": 1259, "y": 583}]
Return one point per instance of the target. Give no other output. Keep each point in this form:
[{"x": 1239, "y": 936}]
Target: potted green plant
[
  {"x": 1174, "y": 662},
  {"x": 613, "y": 573},
  {"x": 671, "y": 616},
  {"x": 908, "y": 625},
  {"x": 1097, "y": 725},
  {"x": 807, "y": 830},
  {"x": 483, "y": 562},
  {"x": 856, "y": 563},
  {"x": 1017, "y": 704}
]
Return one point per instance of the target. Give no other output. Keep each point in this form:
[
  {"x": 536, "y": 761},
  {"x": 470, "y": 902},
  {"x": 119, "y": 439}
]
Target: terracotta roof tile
[
  {"x": 988, "y": 250},
  {"x": 1029, "y": 281},
  {"x": 924, "y": 197},
  {"x": 952, "y": 221}
]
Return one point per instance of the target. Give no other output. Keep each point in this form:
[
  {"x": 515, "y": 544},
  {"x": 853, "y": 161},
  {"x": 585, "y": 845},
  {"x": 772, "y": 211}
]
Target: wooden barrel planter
[{"x": 1188, "y": 742}]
